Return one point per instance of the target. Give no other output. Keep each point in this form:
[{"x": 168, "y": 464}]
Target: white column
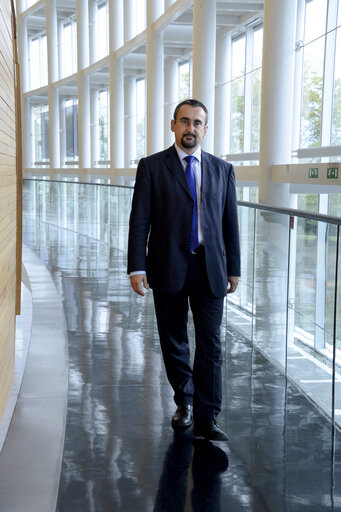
[
  {"x": 54, "y": 123},
  {"x": 155, "y": 80},
  {"x": 129, "y": 121},
  {"x": 128, "y": 20},
  {"x": 92, "y": 31},
  {"x": 82, "y": 16},
  {"x": 221, "y": 114},
  {"x": 115, "y": 24},
  {"x": 84, "y": 121},
  {"x": 116, "y": 85},
  {"x": 83, "y": 84},
  {"x": 277, "y": 97},
  {"x": 116, "y": 113},
  {"x": 94, "y": 126},
  {"x": 53, "y": 96},
  {"x": 171, "y": 97},
  {"x": 204, "y": 42}
]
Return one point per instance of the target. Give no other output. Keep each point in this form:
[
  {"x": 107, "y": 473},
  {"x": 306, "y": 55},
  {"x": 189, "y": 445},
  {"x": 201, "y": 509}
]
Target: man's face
[{"x": 189, "y": 128}]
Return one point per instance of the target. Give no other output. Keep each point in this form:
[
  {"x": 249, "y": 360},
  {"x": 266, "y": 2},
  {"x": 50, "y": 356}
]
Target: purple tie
[{"x": 189, "y": 172}]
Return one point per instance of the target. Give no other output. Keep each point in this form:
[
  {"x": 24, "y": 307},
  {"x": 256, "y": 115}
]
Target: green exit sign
[
  {"x": 332, "y": 173},
  {"x": 313, "y": 172}
]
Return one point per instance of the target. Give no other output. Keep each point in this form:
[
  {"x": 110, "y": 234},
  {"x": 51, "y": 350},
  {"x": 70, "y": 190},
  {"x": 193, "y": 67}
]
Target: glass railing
[{"x": 288, "y": 303}]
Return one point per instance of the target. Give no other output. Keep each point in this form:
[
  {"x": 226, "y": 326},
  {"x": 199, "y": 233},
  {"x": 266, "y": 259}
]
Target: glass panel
[
  {"x": 69, "y": 48},
  {"x": 336, "y": 127},
  {"x": 140, "y": 15},
  {"x": 315, "y": 27},
  {"x": 38, "y": 61},
  {"x": 305, "y": 293},
  {"x": 256, "y": 87},
  {"x": 239, "y": 304},
  {"x": 104, "y": 125},
  {"x": 335, "y": 205},
  {"x": 310, "y": 348},
  {"x": 140, "y": 118},
  {"x": 271, "y": 281},
  {"x": 238, "y": 95},
  {"x": 184, "y": 80},
  {"x": 40, "y": 132},
  {"x": 337, "y": 410},
  {"x": 308, "y": 202},
  {"x": 102, "y": 30},
  {"x": 71, "y": 130}
]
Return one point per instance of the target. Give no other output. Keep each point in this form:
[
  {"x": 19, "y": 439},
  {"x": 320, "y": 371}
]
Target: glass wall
[
  {"x": 69, "y": 135},
  {"x": 38, "y": 61},
  {"x": 256, "y": 87},
  {"x": 40, "y": 135},
  {"x": 288, "y": 303},
  {"x": 238, "y": 95},
  {"x": 140, "y": 118},
  {"x": 68, "y": 47},
  {"x": 336, "y": 127},
  {"x": 184, "y": 80},
  {"x": 104, "y": 126}
]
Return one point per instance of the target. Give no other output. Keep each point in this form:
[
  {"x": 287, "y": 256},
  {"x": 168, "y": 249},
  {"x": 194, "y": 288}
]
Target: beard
[{"x": 190, "y": 143}]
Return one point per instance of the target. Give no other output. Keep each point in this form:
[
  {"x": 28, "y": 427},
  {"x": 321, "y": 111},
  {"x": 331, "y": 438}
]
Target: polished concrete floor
[{"x": 120, "y": 453}]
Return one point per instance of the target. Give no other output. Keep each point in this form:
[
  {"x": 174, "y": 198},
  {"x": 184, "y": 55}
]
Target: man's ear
[{"x": 172, "y": 124}]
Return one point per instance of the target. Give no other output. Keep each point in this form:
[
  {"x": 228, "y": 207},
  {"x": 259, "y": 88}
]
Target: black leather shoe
[
  {"x": 183, "y": 417},
  {"x": 209, "y": 430}
]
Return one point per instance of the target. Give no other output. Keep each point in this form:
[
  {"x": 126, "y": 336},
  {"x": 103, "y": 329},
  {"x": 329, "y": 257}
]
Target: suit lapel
[{"x": 175, "y": 167}]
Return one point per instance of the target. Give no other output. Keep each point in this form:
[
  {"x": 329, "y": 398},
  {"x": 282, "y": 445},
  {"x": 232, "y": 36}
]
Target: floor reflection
[
  {"x": 120, "y": 454},
  {"x": 207, "y": 462}
]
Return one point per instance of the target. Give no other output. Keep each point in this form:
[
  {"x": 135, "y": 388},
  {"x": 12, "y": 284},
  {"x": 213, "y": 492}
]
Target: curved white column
[
  {"x": 277, "y": 97},
  {"x": 155, "y": 80},
  {"x": 128, "y": 20},
  {"x": 204, "y": 42},
  {"x": 116, "y": 113}
]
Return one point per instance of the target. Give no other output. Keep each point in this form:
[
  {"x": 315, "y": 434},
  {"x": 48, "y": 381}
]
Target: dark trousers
[{"x": 202, "y": 385}]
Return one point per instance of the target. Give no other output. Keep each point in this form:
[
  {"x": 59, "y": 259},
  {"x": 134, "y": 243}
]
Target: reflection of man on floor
[
  {"x": 184, "y": 244},
  {"x": 208, "y": 463}
]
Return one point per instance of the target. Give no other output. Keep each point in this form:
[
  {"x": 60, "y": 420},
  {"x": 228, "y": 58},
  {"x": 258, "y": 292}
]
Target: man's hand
[
  {"x": 232, "y": 284},
  {"x": 138, "y": 282}
]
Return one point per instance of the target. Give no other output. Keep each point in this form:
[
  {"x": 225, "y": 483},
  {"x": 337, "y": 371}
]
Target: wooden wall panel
[{"x": 8, "y": 205}]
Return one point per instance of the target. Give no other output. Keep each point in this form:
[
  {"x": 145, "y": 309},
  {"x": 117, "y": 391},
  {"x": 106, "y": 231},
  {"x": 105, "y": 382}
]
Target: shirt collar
[{"x": 182, "y": 154}]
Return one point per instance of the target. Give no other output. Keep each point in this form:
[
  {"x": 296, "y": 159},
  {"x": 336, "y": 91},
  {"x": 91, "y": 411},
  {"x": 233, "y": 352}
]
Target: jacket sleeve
[
  {"x": 231, "y": 228},
  {"x": 140, "y": 217}
]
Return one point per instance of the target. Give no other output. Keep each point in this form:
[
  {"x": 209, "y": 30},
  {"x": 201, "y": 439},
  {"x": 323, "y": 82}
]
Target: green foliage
[{"x": 311, "y": 108}]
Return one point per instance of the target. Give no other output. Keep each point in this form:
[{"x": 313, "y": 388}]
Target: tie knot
[{"x": 189, "y": 159}]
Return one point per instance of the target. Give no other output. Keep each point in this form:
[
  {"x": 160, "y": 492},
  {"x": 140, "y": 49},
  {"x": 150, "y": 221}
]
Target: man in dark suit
[{"x": 184, "y": 244}]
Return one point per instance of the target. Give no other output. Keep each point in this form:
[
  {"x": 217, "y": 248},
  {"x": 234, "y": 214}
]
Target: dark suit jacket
[{"x": 161, "y": 216}]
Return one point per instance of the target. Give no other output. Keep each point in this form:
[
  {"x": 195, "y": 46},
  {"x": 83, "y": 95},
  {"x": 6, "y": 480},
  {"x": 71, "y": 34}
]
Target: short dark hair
[{"x": 193, "y": 103}]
